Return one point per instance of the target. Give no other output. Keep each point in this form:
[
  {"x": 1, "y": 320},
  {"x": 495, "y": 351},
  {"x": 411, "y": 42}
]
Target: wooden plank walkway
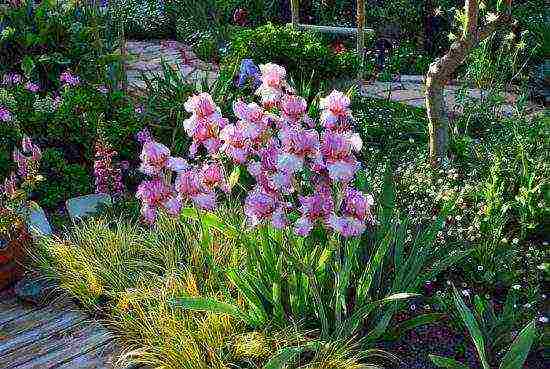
[{"x": 54, "y": 335}]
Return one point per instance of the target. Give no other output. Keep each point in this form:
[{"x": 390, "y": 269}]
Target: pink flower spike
[
  {"x": 21, "y": 161},
  {"x": 154, "y": 158},
  {"x": 177, "y": 164},
  {"x": 293, "y": 108},
  {"x": 346, "y": 226},
  {"x": 26, "y": 144}
]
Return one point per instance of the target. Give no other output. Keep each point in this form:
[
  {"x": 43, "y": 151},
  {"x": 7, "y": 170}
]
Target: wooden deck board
[
  {"x": 51, "y": 336},
  {"x": 13, "y": 309},
  {"x": 71, "y": 344},
  {"x": 102, "y": 357},
  {"x": 38, "y": 332}
]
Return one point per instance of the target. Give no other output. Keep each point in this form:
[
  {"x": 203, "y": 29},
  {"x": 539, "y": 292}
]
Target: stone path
[
  {"x": 51, "y": 335},
  {"x": 410, "y": 90},
  {"x": 146, "y": 58}
]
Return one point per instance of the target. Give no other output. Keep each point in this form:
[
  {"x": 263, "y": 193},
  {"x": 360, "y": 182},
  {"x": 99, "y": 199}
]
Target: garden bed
[{"x": 217, "y": 203}]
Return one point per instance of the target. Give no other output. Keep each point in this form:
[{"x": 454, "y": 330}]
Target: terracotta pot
[{"x": 12, "y": 255}]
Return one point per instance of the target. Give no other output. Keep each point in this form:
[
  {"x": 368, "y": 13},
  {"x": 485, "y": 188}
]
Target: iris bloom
[
  {"x": 336, "y": 114},
  {"x": 235, "y": 144},
  {"x": 260, "y": 206},
  {"x": 205, "y": 123},
  {"x": 154, "y": 158},
  {"x": 155, "y": 194},
  {"x": 318, "y": 206}
]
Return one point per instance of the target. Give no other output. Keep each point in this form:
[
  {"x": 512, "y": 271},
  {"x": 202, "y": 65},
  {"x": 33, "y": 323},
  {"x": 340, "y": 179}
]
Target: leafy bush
[
  {"x": 42, "y": 40},
  {"x": 302, "y": 53},
  {"x": 68, "y": 125},
  {"x": 64, "y": 180},
  {"x": 142, "y": 18}
]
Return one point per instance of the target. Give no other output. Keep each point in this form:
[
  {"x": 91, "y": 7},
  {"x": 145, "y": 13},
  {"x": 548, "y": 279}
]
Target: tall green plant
[
  {"x": 337, "y": 286},
  {"x": 518, "y": 350}
]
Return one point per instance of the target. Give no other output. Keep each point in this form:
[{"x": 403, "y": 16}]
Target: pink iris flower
[
  {"x": 154, "y": 158},
  {"x": 252, "y": 119},
  {"x": 357, "y": 204},
  {"x": 318, "y": 206},
  {"x": 205, "y": 123},
  {"x": 336, "y": 150},
  {"x": 347, "y": 226},
  {"x": 155, "y": 194},
  {"x": 336, "y": 113},
  {"x": 273, "y": 84},
  {"x": 189, "y": 186},
  {"x": 260, "y": 206},
  {"x": 212, "y": 175},
  {"x": 293, "y": 108},
  {"x": 235, "y": 144}
]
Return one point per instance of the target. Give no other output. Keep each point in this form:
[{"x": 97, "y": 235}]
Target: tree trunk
[
  {"x": 360, "y": 36},
  {"x": 443, "y": 69},
  {"x": 295, "y": 11},
  {"x": 438, "y": 75}
]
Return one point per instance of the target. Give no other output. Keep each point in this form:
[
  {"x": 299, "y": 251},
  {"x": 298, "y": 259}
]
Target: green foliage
[
  {"x": 206, "y": 48},
  {"x": 49, "y": 38},
  {"x": 289, "y": 278},
  {"x": 481, "y": 328},
  {"x": 64, "y": 180},
  {"x": 70, "y": 131},
  {"x": 302, "y": 53}
]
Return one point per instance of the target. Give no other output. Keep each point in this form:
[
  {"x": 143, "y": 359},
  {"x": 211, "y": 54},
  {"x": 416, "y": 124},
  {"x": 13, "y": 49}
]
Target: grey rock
[
  {"x": 38, "y": 222},
  {"x": 84, "y": 206}
]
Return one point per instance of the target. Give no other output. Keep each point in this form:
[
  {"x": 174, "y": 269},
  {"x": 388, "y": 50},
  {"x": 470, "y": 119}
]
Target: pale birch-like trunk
[
  {"x": 360, "y": 36},
  {"x": 443, "y": 69},
  {"x": 295, "y": 11}
]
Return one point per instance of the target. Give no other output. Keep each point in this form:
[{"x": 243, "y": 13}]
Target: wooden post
[
  {"x": 360, "y": 35},
  {"x": 295, "y": 10}
]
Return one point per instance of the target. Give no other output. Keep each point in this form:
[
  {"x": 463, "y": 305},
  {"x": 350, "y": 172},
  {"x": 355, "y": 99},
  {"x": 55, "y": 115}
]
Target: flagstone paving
[
  {"x": 410, "y": 90},
  {"x": 146, "y": 57}
]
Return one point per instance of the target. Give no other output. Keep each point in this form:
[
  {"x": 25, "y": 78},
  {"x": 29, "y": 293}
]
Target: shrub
[
  {"x": 42, "y": 40},
  {"x": 68, "y": 123},
  {"x": 302, "y": 53},
  {"x": 142, "y": 18}
]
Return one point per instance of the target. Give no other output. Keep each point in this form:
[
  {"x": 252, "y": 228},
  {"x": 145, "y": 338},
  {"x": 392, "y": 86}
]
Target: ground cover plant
[{"x": 275, "y": 217}]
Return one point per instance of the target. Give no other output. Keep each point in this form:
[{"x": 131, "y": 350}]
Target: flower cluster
[
  {"x": 16, "y": 188},
  {"x": 108, "y": 176},
  {"x": 193, "y": 183},
  {"x": 69, "y": 79},
  {"x": 5, "y": 115},
  {"x": 283, "y": 151},
  {"x": 11, "y": 79}
]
